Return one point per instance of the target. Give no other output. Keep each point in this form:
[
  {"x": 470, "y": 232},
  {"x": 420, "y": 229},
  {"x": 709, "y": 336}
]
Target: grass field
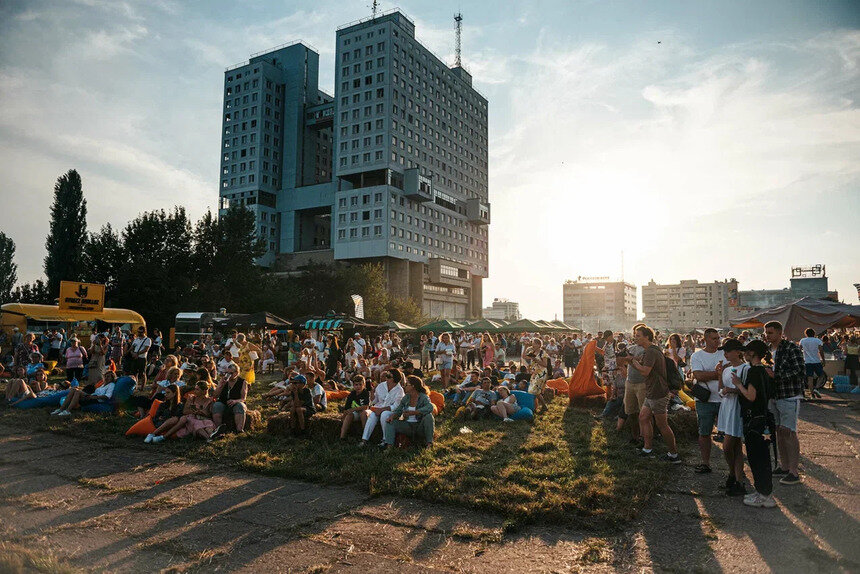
[{"x": 565, "y": 468}]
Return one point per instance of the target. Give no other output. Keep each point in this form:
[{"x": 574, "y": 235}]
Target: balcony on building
[
  {"x": 416, "y": 186},
  {"x": 478, "y": 211},
  {"x": 449, "y": 273}
]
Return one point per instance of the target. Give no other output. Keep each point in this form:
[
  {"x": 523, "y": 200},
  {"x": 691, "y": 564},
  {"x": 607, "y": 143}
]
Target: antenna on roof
[
  {"x": 459, "y": 20},
  {"x": 374, "y": 8}
]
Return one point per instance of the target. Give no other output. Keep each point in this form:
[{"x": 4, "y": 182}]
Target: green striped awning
[{"x": 323, "y": 324}]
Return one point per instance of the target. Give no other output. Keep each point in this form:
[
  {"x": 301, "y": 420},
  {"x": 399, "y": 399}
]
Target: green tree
[
  {"x": 406, "y": 310},
  {"x": 155, "y": 278},
  {"x": 224, "y": 252},
  {"x": 103, "y": 258},
  {"x": 367, "y": 280},
  {"x": 8, "y": 268},
  {"x": 68, "y": 232},
  {"x": 36, "y": 292}
]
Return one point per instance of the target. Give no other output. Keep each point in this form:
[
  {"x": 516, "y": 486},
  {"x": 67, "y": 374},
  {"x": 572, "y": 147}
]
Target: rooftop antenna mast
[
  {"x": 374, "y": 7},
  {"x": 459, "y": 20}
]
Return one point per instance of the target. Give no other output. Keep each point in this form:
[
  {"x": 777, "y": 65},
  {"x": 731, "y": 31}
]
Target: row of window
[
  {"x": 353, "y": 232},
  {"x": 354, "y": 199}
]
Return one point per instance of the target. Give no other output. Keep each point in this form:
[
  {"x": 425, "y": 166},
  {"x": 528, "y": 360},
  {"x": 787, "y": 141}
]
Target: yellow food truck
[{"x": 36, "y": 318}]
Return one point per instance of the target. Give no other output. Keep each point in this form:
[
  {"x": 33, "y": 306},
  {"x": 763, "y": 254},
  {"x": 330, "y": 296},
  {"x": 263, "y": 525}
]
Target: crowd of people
[{"x": 748, "y": 387}]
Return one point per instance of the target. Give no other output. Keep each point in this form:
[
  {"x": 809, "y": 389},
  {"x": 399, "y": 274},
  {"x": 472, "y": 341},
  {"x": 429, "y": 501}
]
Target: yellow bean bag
[
  {"x": 687, "y": 400},
  {"x": 49, "y": 365}
]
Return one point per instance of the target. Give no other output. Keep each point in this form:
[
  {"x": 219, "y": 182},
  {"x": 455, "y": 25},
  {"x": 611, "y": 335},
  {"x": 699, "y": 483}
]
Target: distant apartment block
[
  {"x": 689, "y": 304},
  {"x": 503, "y": 309},
  {"x": 596, "y": 304},
  {"x": 392, "y": 168}
]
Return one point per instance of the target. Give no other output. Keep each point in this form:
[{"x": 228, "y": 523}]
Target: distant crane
[{"x": 459, "y": 20}]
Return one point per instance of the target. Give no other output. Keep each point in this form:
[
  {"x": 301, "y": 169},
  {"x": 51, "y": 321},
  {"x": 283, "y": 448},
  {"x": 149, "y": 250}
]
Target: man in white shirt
[
  {"x": 360, "y": 344},
  {"x": 707, "y": 367},
  {"x": 139, "y": 350},
  {"x": 56, "y": 345},
  {"x": 813, "y": 358},
  {"x": 386, "y": 396}
]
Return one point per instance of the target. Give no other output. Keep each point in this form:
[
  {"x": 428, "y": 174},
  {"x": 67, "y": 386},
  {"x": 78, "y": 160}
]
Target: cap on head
[{"x": 300, "y": 380}]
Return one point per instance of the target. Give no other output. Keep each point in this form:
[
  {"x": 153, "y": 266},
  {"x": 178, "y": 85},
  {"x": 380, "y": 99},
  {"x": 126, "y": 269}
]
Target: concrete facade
[
  {"x": 392, "y": 168},
  {"x": 689, "y": 304},
  {"x": 596, "y": 305},
  {"x": 503, "y": 309}
]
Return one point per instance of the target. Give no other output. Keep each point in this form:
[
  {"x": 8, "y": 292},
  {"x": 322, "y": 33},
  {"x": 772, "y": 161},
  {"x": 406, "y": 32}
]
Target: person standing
[
  {"x": 753, "y": 398},
  {"x": 707, "y": 367},
  {"x": 56, "y": 345},
  {"x": 653, "y": 368},
  {"x": 788, "y": 372},
  {"x": 96, "y": 367},
  {"x": 432, "y": 340},
  {"x": 138, "y": 351},
  {"x": 634, "y": 389},
  {"x": 76, "y": 356},
  {"x": 813, "y": 359},
  {"x": 729, "y": 419}
]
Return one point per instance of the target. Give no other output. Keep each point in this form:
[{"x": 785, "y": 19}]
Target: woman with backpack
[{"x": 753, "y": 391}]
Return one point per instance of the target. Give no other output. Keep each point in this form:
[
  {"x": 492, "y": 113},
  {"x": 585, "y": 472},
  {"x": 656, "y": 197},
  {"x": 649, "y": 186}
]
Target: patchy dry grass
[
  {"x": 564, "y": 468},
  {"x": 17, "y": 559}
]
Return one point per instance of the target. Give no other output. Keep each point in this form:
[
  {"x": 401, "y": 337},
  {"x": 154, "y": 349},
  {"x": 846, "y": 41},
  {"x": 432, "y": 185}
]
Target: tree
[
  {"x": 68, "y": 232},
  {"x": 36, "y": 292},
  {"x": 8, "y": 268},
  {"x": 224, "y": 252},
  {"x": 103, "y": 258},
  {"x": 368, "y": 280},
  {"x": 406, "y": 310},
  {"x": 156, "y": 275}
]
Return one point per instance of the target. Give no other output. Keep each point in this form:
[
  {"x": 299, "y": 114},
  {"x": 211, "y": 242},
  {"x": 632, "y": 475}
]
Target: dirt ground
[{"x": 98, "y": 507}]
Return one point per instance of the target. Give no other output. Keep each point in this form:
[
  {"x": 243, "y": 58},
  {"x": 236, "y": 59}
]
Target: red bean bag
[
  {"x": 560, "y": 386},
  {"x": 438, "y": 402},
  {"x": 336, "y": 395},
  {"x": 145, "y": 425}
]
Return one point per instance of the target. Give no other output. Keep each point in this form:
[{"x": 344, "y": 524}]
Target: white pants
[{"x": 372, "y": 419}]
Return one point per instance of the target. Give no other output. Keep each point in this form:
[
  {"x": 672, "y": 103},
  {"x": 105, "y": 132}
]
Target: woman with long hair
[
  {"x": 488, "y": 349},
  {"x": 167, "y": 415},
  {"x": 413, "y": 416}
]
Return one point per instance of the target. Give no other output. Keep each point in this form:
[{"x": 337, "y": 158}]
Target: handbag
[{"x": 701, "y": 393}]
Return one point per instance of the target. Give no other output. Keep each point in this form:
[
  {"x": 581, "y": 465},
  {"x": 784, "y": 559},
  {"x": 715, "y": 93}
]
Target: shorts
[
  {"x": 236, "y": 409},
  {"x": 446, "y": 363},
  {"x": 706, "y": 415},
  {"x": 785, "y": 412},
  {"x": 814, "y": 369},
  {"x": 658, "y": 406},
  {"x": 634, "y": 398}
]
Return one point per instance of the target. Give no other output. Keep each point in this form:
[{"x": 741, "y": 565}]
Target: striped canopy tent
[
  {"x": 482, "y": 326},
  {"x": 334, "y": 322},
  {"x": 440, "y": 326},
  {"x": 399, "y": 327},
  {"x": 525, "y": 326},
  {"x": 550, "y": 326}
]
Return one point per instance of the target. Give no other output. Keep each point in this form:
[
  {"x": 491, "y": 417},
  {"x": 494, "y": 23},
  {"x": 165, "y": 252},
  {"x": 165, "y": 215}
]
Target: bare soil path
[{"x": 97, "y": 507}]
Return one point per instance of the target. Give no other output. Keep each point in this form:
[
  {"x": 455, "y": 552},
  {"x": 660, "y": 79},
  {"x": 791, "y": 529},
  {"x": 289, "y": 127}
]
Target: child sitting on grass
[{"x": 17, "y": 390}]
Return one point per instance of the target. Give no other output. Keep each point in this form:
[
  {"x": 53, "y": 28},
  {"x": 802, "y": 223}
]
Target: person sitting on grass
[
  {"x": 461, "y": 393},
  {"x": 196, "y": 419},
  {"x": 317, "y": 392},
  {"x": 39, "y": 381},
  {"x": 166, "y": 419},
  {"x": 230, "y": 396},
  {"x": 481, "y": 400},
  {"x": 79, "y": 397},
  {"x": 506, "y": 405},
  {"x": 301, "y": 405},
  {"x": 386, "y": 396},
  {"x": 355, "y": 406},
  {"x": 173, "y": 376},
  {"x": 413, "y": 417},
  {"x": 17, "y": 390}
]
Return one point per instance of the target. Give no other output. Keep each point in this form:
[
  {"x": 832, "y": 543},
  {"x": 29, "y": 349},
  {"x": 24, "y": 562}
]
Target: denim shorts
[
  {"x": 706, "y": 414},
  {"x": 785, "y": 412}
]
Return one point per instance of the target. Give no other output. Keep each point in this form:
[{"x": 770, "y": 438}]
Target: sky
[{"x": 704, "y": 140}]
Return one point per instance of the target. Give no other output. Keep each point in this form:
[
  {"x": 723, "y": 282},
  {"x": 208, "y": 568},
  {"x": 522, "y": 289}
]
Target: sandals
[{"x": 702, "y": 469}]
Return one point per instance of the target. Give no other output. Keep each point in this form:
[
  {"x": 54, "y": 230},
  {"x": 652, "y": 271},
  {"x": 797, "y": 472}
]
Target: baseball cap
[
  {"x": 300, "y": 379},
  {"x": 731, "y": 345},
  {"x": 357, "y": 334}
]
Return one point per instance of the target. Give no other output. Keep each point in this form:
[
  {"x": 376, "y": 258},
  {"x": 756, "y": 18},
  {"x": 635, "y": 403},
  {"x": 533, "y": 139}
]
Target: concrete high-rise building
[
  {"x": 804, "y": 282},
  {"x": 596, "y": 304},
  {"x": 503, "y": 309},
  {"x": 689, "y": 304},
  {"x": 391, "y": 169}
]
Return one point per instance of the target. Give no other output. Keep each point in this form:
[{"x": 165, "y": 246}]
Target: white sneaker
[
  {"x": 507, "y": 420},
  {"x": 63, "y": 413},
  {"x": 767, "y": 501},
  {"x": 751, "y": 496},
  {"x": 157, "y": 439},
  {"x": 149, "y": 438},
  {"x": 57, "y": 411}
]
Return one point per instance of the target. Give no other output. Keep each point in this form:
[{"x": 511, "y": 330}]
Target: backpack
[{"x": 673, "y": 375}]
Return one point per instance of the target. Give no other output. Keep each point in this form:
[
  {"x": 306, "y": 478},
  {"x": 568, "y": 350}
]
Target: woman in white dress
[{"x": 729, "y": 418}]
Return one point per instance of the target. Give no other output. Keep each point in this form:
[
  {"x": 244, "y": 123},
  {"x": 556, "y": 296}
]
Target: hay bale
[
  {"x": 684, "y": 424},
  {"x": 278, "y": 425},
  {"x": 253, "y": 420}
]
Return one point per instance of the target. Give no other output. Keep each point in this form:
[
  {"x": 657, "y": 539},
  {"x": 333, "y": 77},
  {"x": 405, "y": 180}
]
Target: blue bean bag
[
  {"x": 527, "y": 405},
  {"x": 49, "y": 401},
  {"x": 123, "y": 389}
]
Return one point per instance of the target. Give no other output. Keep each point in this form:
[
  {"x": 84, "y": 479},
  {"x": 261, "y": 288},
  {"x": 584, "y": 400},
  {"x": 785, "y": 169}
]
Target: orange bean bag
[
  {"x": 336, "y": 395},
  {"x": 438, "y": 402},
  {"x": 560, "y": 386},
  {"x": 145, "y": 425}
]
